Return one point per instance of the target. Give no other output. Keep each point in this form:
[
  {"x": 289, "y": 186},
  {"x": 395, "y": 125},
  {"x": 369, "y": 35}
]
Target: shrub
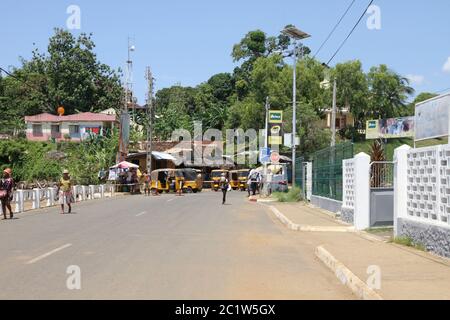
[{"x": 293, "y": 195}]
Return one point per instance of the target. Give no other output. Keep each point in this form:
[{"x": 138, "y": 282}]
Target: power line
[
  {"x": 351, "y": 32},
  {"x": 335, "y": 27}
]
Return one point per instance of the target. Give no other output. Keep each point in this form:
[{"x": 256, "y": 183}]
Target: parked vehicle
[
  {"x": 215, "y": 177},
  {"x": 234, "y": 179},
  {"x": 242, "y": 176},
  {"x": 167, "y": 180},
  {"x": 193, "y": 181}
]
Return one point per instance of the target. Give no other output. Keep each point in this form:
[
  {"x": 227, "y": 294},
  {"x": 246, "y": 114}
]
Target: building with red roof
[{"x": 46, "y": 126}]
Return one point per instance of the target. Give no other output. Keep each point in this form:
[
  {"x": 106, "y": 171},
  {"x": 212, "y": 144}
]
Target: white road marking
[
  {"x": 45, "y": 255},
  {"x": 171, "y": 199},
  {"x": 141, "y": 214}
]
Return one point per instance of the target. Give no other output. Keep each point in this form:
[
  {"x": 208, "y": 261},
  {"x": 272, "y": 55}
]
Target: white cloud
[
  {"x": 446, "y": 67},
  {"x": 415, "y": 79}
]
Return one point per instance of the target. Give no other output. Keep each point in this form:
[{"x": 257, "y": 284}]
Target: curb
[
  {"x": 347, "y": 278},
  {"x": 305, "y": 228}
]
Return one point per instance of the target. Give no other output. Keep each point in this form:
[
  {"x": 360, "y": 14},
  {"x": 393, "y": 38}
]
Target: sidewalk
[{"x": 406, "y": 273}]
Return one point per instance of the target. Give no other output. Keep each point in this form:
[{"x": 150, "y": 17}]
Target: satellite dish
[{"x": 132, "y": 48}]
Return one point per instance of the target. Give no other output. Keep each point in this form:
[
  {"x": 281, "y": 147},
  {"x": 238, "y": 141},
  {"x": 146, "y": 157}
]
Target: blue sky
[{"x": 188, "y": 41}]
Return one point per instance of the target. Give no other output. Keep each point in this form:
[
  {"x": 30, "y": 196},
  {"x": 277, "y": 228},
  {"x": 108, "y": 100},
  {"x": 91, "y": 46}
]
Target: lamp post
[{"x": 297, "y": 35}]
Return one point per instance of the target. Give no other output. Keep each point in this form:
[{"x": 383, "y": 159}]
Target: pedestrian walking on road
[
  {"x": 65, "y": 191},
  {"x": 224, "y": 185},
  {"x": 254, "y": 178},
  {"x": 6, "y": 192},
  {"x": 146, "y": 178}
]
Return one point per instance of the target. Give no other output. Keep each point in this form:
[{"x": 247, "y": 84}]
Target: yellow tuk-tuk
[
  {"x": 242, "y": 176},
  {"x": 193, "y": 181},
  {"x": 215, "y": 177},
  {"x": 234, "y": 179},
  {"x": 166, "y": 180}
]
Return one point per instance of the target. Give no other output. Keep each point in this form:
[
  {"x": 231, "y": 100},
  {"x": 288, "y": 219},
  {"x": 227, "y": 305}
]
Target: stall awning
[{"x": 162, "y": 156}]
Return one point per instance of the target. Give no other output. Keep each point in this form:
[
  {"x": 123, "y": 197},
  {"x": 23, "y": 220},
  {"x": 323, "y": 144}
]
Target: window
[
  {"x": 55, "y": 129},
  {"x": 74, "y": 129},
  {"x": 37, "y": 129}
]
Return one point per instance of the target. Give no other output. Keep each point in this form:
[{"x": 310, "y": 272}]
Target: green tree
[
  {"x": 388, "y": 92},
  {"x": 68, "y": 74}
]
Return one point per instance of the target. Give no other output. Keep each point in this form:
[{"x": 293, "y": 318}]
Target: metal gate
[{"x": 381, "y": 193}]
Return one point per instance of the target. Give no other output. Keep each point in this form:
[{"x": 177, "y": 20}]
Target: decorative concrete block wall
[
  {"x": 422, "y": 196},
  {"x": 348, "y": 191},
  {"x": 356, "y": 191}
]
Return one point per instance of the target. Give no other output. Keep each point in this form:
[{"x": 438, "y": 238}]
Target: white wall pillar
[
  {"x": 83, "y": 193},
  {"x": 362, "y": 191},
  {"x": 51, "y": 197},
  {"x": 308, "y": 180},
  {"x": 91, "y": 192},
  {"x": 102, "y": 191},
  {"x": 74, "y": 191},
  {"x": 19, "y": 201},
  {"x": 400, "y": 184},
  {"x": 36, "y": 199}
]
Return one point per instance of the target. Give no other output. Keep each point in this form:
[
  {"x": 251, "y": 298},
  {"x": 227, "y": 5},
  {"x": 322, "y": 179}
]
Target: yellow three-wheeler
[
  {"x": 242, "y": 176},
  {"x": 193, "y": 181},
  {"x": 215, "y": 177},
  {"x": 166, "y": 180}
]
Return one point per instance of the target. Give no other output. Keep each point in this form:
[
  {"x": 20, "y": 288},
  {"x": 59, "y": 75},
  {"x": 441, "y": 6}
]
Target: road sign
[
  {"x": 275, "y": 157},
  {"x": 264, "y": 155}
]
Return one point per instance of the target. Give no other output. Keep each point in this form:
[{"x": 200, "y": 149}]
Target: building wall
[{"x": 64, "y": 128}]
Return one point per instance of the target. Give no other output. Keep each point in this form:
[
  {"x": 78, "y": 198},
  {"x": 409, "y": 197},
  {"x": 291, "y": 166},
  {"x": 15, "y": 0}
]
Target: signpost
[
  {"x": 275, "y": 157},
  {"x": 264, "y": 155}
]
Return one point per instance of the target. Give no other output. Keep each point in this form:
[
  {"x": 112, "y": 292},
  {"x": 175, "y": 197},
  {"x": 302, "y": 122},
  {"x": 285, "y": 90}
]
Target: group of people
[{"x": 64, "y": 192}]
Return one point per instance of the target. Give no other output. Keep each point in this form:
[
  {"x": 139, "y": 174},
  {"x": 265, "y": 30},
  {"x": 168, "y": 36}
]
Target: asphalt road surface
[{"x": 167, "y": 247}]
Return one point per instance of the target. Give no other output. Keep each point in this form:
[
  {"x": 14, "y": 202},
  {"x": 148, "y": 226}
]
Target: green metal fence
[{"x": 327, "y": 170}]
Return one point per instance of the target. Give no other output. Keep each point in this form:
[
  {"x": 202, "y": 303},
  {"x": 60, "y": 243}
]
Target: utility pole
[
  {"x": 124, "y": 115},
  {"x": 333, "y": 116},
  {"x": 149, "y": 77}
]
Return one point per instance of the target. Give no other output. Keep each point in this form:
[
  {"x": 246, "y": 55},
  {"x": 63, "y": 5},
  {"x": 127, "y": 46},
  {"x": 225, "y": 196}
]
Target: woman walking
[
  {"x": 65, "y": 191},
  {"x": 224, "y": 184},
  {"x": 6, "y": 192}
]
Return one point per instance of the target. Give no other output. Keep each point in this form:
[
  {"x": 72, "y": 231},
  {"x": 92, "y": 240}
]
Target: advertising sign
[
  {"x": 275, "y": 127},
  {"x": 432, "y": 118},
  {"x": 390, "y": 128}
]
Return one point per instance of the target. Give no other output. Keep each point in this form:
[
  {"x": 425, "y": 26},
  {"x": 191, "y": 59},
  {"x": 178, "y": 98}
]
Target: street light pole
[
  {"x": 295, "y": 34},
  {"x": 294, "y": 115}
]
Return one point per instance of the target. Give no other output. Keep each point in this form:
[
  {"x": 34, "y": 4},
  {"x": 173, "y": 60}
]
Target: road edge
[{"x": 346, "y": 276}]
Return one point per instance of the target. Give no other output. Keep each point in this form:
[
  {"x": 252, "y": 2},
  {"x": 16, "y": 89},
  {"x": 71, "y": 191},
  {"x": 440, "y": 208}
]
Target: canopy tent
[{"x": 125, "y": 165}]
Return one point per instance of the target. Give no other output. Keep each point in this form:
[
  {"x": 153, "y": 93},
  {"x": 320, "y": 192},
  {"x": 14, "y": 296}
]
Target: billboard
[
  {"x": 390, "y": 128},
  {"x": 432, "y": 118},
  {"x": 275, "y": 127}
]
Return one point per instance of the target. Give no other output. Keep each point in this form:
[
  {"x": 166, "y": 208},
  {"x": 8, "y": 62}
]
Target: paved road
[{"x": 164, "y": 247}]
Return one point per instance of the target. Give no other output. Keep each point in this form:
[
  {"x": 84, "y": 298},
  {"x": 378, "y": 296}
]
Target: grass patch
[
  {"x": 408, "y": 242},
  {"x": 293, "y": 195}
]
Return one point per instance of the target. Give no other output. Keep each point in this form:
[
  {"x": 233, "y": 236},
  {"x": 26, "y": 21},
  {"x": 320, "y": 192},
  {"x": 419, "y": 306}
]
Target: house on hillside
[
  {"x": 344, "y": 118},
  {"x": 46, "y": 126}
]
